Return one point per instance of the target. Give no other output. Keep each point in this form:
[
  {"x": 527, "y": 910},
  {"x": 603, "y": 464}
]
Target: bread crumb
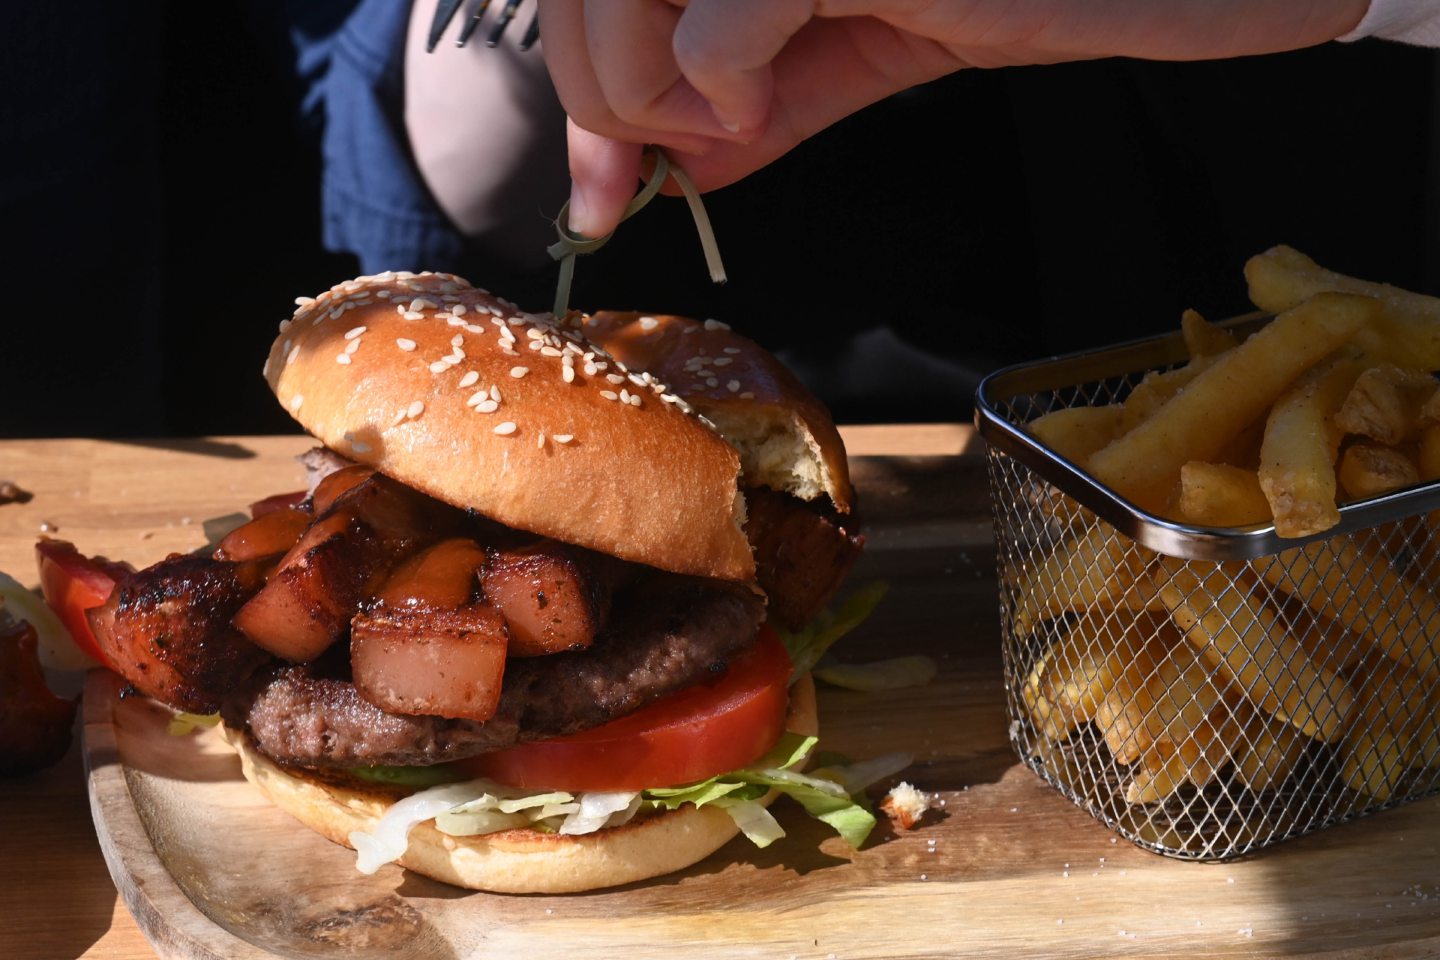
[{"x": 905, "y": 805}]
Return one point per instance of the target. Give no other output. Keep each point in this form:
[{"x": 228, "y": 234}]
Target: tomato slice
[
  {"x": 690, "y": 735},
  {"x": 73, "y": 583}
]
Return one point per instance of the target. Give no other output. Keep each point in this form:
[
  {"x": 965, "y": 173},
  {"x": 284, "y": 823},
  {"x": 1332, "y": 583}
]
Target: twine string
[{"x": 570, "y": 244}]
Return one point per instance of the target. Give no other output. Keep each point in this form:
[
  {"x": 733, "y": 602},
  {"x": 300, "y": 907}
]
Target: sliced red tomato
[
  {"x": 691, "y": 735},
  {"x": 73, "y": 583}
]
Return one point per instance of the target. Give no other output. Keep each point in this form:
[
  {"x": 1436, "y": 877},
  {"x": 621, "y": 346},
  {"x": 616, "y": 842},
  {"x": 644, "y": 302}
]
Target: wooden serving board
[{"x": 1006, "y": 867}]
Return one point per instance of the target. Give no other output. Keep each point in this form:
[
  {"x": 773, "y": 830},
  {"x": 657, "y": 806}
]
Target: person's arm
[{"x": 730, "y": 85}]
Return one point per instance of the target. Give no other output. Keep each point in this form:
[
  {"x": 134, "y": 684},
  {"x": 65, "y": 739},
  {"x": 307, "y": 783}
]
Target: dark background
[{"x": 160, "y": 207}]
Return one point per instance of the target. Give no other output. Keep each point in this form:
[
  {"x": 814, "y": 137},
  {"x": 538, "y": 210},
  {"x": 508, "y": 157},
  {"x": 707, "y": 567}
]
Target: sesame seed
[
  {"x": 452, "y": 320},
  {"x": 354, "y": 332},
  {"x": 478, "y": 398},
  {"x": 634, "y": 400},
  {"x": 716, "y": 325},
  {"x": 400, "y": 309},
  {"x": 732, "y": 350},
  {"x": 567, "y": 373},
  {"x": 420, "y": 303},
  {"x": 352, "y": 346},
  {"x": 540, "y": 441},
  {"x": 747, "y": 395},
  {"x": 614, "y": 378},
  {"x": 549, "y": 351},
  {"x": 507, "y": 334},
  {"x": 284, "y": 325},
  {"x": 563, "y": 437},
  {"x": 454, "y": 356},
  {"x": 591, "y": 369},
  {"x": 518, "y": 372},
  {"x": 415, "y": 409},
  {"x": 712, "y": 382},
  {"x": 669, "y": 398},
  {"x": 648, "y": 323},
  {"x": 405, "y": 343},
  {"x": 723, "y": 361},
  {"x": 457, "y": 340},
  {"x": 506, "y": 428},
  {"x": 413, "y": 315},
  {"x": 474, "y": 328},
  {"x": 335, "y": 314},
  {"x": 294, "y": 354},
  {"x": 459, "y": 310},
  {"x": 383, "y": 294},
  {"x": 359, "y": 446},
  {"x": 733, "y": 386},
  {"x": 609, "y": 395},
  {"x": 439, "y": 366},
  {"x": 470, "y": 379},
  {"x": 295, "y": 402},
  {"x": 495, "y": 393},
  {"x": 535, "y": 333},
  {"x": 486, "y": 406},
  {"x": 304, "y": 301},
  {"x": 342, "y": 358},
  {"x": 624, "y": 395},
  {"x": 536, "y": 344}
]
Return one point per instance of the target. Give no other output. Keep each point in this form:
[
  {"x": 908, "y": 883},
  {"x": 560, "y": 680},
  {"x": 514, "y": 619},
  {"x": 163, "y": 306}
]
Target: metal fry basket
[{"x": 1205, "y": 692}]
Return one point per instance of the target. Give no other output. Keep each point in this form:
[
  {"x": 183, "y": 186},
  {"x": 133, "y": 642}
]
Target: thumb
[{"x": 604, "y": 174}]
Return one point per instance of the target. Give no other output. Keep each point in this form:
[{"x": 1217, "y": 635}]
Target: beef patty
[{"x": 664, "y": 634}]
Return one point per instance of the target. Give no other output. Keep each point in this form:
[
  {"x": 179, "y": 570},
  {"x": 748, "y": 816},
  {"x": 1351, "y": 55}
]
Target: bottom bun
[{"x": 513, "y": 861}]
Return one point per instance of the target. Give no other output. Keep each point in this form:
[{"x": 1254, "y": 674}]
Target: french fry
[
  {"x": 1195, "y": 759},
  {"x": 1077, "y": 432},
  {"x": 1267, "y": 751},
  {"x": 1369, "y": 469},
  {"x": 1238, "y": 634},
  {"x": 1219, "y": 495},
  {"x": 1092, "y": 569},
  {"x": 1154, "y": 390},
  {"x": 1393, "y": 730},
  {"x": 1406, "y": 328},
  {"x": 1183, "y": 689},
  {"x": 1297, "y": 457},
  {"x": 1236, "y": 389},
  {"x": 1067, "y": 684},
  {"x": 1203, "y": 338},
  {"x": 1385, "y": 404},
  {"x": 1362, "y": 592}
]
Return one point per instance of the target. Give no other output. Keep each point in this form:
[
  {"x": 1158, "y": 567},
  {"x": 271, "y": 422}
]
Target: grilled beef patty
[{"x": 665, "y": 633}]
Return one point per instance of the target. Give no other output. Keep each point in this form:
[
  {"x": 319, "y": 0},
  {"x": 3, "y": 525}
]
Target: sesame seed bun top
[
  {"x": 459, "y": 394},
  {"x": 785, "y": 435}
]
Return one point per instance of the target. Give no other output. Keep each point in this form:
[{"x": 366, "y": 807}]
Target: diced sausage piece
[
  {"x": 801, "y": 555},
  {"x": 441, "y": 577},
  {"x": 338, "y": 562},
  {"x": 268, "y": 535},
  {"x": 554, "y": 597},
  {"x": 34, "y": 723},
  {"x": 335, "y": 485},
  {"x": 167, "y": 630},
  {"x": 445, "y": 663}
]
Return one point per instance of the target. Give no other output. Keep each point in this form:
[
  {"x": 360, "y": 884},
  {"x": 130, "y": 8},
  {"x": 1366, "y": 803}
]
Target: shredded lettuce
[
  {"x": 386, "y": 841},
  {"x": 893, "y": 674},
  {"x": 183, "y": 723},
  {"x": 807, "y": 645}
]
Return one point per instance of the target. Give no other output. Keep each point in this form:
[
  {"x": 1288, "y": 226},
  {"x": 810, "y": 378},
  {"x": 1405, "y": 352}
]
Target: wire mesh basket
[{"x": 1205, "y": 692}]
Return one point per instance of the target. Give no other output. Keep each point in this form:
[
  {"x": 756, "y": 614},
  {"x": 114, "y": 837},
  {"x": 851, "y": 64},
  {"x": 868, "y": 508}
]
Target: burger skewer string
[{"x": 571, "y": 244}]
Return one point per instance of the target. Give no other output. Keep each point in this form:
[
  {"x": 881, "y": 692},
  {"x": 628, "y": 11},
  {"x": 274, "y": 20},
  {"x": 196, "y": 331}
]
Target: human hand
[{"x": 727, "y": 86}]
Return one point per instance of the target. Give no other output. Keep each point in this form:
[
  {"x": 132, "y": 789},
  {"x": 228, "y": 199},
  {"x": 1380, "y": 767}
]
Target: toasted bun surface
[
  {"x": 514, "y": 861},
  {"x": 459, "y": 394},
  {"x": 785, "y": 435}
]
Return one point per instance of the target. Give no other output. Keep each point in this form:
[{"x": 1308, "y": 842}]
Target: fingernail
[{"x": 579, "y": 212}]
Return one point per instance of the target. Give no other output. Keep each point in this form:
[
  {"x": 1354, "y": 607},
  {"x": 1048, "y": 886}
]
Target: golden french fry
[
  {"x": 1203, "y": 338},
  {"x": 1405, "y": 330},
  {"x": 1077, "y": 432},
  {"x": 1385, "y": 404},
  {"x": 1154, "y": 390},
  {"x": 1297, "y": 457},
  {"x": 1235, "y": 390},
  {"x": 1219, "y": 495},
  {"x": 1092, "y": 569},
  {"x": 1427, "y": 454},
  {"x": 1221, "y": 616},
  {"x": 1183, "y": 690},
  {"x": 1197, "y": 758},
  {"x": 1361, "y": 591},
  {"x": 1267, "y": 751},
  {"x": 1393, "y": 730},
  {"x": 1121, "y": 715},
  {"x": 1368, "y": 470}
]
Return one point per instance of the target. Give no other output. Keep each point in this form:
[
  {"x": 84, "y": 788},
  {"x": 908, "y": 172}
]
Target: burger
[{"x": 527, "y": 629}]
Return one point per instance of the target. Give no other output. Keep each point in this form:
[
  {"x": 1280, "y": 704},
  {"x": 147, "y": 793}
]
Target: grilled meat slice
[
  {"x": 802, "y": 554},
  {"x": 446, "y": 663},
  {"x": 167, "y": 629}
]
